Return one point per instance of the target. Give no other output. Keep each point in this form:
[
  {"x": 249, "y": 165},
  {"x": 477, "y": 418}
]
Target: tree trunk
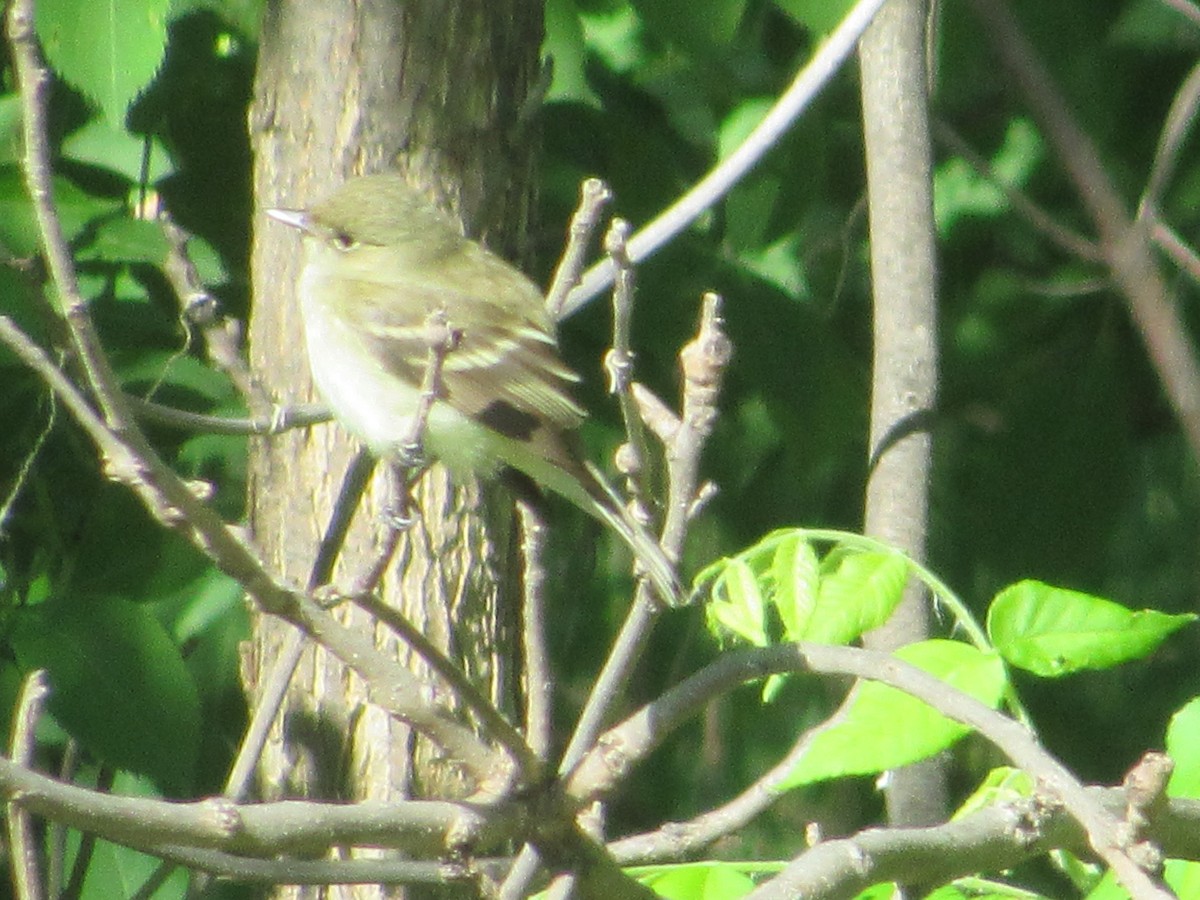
[{"x": 433, "y": 89}]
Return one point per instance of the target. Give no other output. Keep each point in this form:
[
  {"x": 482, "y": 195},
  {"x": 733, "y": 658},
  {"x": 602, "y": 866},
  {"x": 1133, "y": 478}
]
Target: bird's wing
[{"x": 505, "y": 371}]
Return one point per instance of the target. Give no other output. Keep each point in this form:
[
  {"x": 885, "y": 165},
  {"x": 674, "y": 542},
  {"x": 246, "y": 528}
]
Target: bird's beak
[{"x": 297, "y": 218}]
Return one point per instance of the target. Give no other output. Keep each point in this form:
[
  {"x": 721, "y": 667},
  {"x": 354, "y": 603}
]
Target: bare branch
[
  {"x": 1066, "y": 238},
  {"x": 1125, "y": 243},
  {"x": 27, "y": 885},
  {"x": 1180, "y": 119},
  {"x": 539, "y": 676},
  {"x": 286, "y": 827},
  {"x": 283, "y": 418},
  {"x": 594, "y": 195},
  {"x": 618, "y": 363},
  {"x": 222, "y": 336}
]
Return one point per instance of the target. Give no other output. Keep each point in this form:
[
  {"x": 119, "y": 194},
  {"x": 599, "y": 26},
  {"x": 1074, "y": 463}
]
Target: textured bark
[
  {"x": 904, "y": 370},
  {"x": 343, "y": 87}
]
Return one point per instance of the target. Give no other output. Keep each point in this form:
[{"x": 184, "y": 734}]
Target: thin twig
[
  {"x": 490, "y": 718},
  {"x": 1177, "y": 249},
  {"x": 82, "y": 863},
  {"x": 1180, "y": 119},
  {"x": 703, "y": 362},
  {"x": 618, "y": 363},
  {"x": 1126, "y": 247},
  {"x": 279, "y": 420},
  {"x": 27, "y": 465},
  {"x": 22, "y": 842},
  {"x": 831, "y": 54},
  {"x": 594, "y": 195},
  {"x": 539, "y": 674},
  {"x": 222, "y": 336},
  {"x": 1022, "y": 204}
]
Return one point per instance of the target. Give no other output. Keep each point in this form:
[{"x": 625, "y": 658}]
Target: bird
[{"x": 379, "y": 261}]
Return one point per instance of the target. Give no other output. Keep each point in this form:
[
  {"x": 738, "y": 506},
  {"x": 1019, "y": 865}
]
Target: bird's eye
[{"x": 343, "y": 241}]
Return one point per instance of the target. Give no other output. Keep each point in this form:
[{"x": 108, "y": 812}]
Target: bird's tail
[{"x": 607, "y": 507}]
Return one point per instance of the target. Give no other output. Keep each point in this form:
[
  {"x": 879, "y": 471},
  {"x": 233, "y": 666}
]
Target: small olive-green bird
[{"x": 378, "y": 260}]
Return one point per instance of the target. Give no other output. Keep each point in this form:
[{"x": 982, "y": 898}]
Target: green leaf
[
  {"x": 564, "y": 45},
  {"x": 116, "y": 871},
  {"x": 796, "y": 572},
  {"x": 108, "y": 49},
  {"x": 125, "y": 239},
  {"x": 742, "y": 120},
  {"x": 818, "y": 16},
  {"x": 99, "y": 143},
  {"x": 118, "y": 684},
  {"x": 961, "y": 191},
  {"x": 1053, "y": 631},
  {"x": 698, "y": 881},
  {"x": 10, "y": 129},
  {"x": 1183, "y": 746},
  {"x": 858, "y": 595},
  {"x": 18, "y": 224},
  {"x": 737, "y": 606},
  {"x": 680, "y": 23},
  {"x": 882, "y": 728},
  {"x": 1003, "y": 784},
  {"x": 982, "y": 889}
]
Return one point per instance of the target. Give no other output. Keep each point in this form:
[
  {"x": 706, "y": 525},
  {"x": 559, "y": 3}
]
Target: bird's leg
[{"x": 398, "y": 504}]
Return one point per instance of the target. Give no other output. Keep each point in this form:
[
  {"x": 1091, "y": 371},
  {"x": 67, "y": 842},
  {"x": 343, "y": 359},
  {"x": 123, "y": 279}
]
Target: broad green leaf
[
  {"x": 884, "y": 891},
  {"x": 882, "y": 728},
  {"x": 1003, "y": 784},
  {"x": 1183, "y": 746},
  {"x": 565, "y": 47},
  {"x": 1053, "y": 631},
  {"x": 99, "y": 143},
  {"x": 616, "y": 37},
  {"x": 18, "y": 225},
  {"x": 124, "y": 239},
  {"x": 858, "y": 595},
  {"x": 796, "y": 572},
  {"x": 680, "y": 23},
  {"x": 960, "y": 190},
  {"x": 699, "y": 881},
  {"x": 118, "y": 684},
  {"x": 108, "y": 49},
  {"x": 818, "y": 16},
  {"x": 742, "y": 120},
  {"x": 779, "y": 264},
  {"x": 982, "y": 889},
  {"x": 159, "y": 370},
  {"x": 10, "y": 129},
  {"x": 737, "y": 606}
]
